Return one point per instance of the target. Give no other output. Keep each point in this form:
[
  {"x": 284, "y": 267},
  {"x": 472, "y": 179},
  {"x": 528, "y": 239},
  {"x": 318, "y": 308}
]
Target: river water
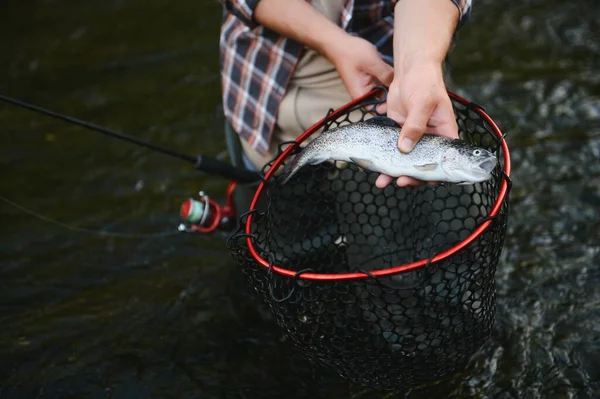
[{"x": 88, "y": 315}]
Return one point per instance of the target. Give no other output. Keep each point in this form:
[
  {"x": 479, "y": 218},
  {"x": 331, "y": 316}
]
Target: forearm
[
  {"x": 299, "y": 20},
  {"x": 423, "y": 31}
]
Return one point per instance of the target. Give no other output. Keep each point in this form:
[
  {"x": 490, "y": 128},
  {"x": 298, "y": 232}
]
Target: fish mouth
[{"x": 488, "y": 165}]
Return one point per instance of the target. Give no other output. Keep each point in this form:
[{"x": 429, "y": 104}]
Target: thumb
[
  {"x": 415, "y": 125},
  {"x": 382, "y": 71}
]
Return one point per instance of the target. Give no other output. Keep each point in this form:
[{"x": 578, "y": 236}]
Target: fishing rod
[{"x": 201, "y": 163}]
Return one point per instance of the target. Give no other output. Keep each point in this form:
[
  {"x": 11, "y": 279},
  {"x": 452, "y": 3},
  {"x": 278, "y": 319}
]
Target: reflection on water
[{"x": 171, "y": 316}]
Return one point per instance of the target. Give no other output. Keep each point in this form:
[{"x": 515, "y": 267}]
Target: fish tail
[{"x": 291, "y": 168}]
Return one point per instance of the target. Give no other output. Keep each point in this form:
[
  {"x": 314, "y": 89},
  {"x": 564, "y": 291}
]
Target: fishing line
[{"x": 84, "y": 230}]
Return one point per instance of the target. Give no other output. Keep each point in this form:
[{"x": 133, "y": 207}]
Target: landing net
[{"x": 389, "y": 287}]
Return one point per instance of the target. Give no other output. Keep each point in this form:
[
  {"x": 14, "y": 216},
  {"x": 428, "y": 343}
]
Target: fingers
[
  {"x": 418, "y": 116},
  {"x": 448, "y": 130},
  {"x": 361, "y": 68},
  {"x": 374, "y": 74},
  {"x": 403, "y": 181},
  {"x": 356, "y": 83},
  {"x": 382, "y": 71},
  {"x": 382, "y": 108},
  {"x": 395, "y": 115},
  {"x": 383, "y": 180},
  {"x": 443, "y": 121}
]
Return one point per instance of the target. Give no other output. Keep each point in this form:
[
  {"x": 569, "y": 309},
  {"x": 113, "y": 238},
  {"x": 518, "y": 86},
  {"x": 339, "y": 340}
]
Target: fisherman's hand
[
  {"x": 418, "y": 101},
  {"x": 357, "y": 60},
  {"x": 359, "y": 64}
]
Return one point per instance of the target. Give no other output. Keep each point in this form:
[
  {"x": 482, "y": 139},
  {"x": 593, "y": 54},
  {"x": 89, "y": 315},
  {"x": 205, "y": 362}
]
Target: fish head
[{"x": 466, "y": 163}]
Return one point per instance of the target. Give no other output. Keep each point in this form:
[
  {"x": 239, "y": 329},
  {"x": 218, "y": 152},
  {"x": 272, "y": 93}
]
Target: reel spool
[{"x": 205, "y": 215}]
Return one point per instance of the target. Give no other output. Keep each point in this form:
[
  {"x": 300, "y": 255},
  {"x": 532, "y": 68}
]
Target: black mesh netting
[{"x": 386, "y": 332}]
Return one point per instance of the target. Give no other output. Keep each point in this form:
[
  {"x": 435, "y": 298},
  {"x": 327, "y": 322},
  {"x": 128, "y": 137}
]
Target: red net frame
[{"x": 502, "y": 197}]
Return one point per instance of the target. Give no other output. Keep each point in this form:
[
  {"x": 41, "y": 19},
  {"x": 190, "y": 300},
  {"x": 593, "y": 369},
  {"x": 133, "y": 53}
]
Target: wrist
[
  {"x": 428, "y": 65},
  {"x": 333, "y": 44},
  {"x": 300, "y": 21},
  {"x": 422, "y": 37}
]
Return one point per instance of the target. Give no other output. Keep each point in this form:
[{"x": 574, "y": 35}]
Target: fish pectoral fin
[
  {"x": 363, "y": 163},
  {"x": 426, "y": 167}
]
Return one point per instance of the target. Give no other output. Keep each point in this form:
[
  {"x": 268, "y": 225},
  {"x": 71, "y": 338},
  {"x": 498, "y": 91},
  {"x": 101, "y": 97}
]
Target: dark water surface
[{"x": 84, "y": 315}]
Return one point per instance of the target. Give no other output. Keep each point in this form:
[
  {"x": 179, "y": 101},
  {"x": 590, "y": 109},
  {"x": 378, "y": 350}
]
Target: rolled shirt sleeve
[
  {"x": 242, "y": 9},
  {"x": 464, "y": 9}
]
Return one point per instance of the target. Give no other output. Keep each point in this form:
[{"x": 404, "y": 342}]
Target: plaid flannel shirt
[{"x": 257, "y": 63}]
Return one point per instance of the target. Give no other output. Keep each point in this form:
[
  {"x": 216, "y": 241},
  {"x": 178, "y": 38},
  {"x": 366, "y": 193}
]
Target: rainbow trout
[{"x": 373, "y": 145}]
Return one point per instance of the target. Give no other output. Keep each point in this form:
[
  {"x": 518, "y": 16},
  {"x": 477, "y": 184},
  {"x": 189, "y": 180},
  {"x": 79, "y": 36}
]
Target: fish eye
[{"x": 477, "y": 152}]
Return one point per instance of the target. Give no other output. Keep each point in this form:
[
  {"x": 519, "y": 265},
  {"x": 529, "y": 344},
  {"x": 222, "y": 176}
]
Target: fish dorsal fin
[
  {"x": 382, "y": 121},
  {"x": 426, "y": 167},
  {"x": 363, "y": 163}
]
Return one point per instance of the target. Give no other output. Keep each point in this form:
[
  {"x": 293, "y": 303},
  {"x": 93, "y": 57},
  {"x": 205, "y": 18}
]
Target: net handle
[{"x": 488, "y": 220}]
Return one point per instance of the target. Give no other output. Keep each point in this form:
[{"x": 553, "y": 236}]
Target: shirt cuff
[
  {"x": 464, "y": 9},
  {"x": 242, "y": 10}
]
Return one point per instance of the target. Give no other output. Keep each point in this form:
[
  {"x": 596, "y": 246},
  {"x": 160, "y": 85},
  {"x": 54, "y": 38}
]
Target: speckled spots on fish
[{"x": 434, "y": 158}]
